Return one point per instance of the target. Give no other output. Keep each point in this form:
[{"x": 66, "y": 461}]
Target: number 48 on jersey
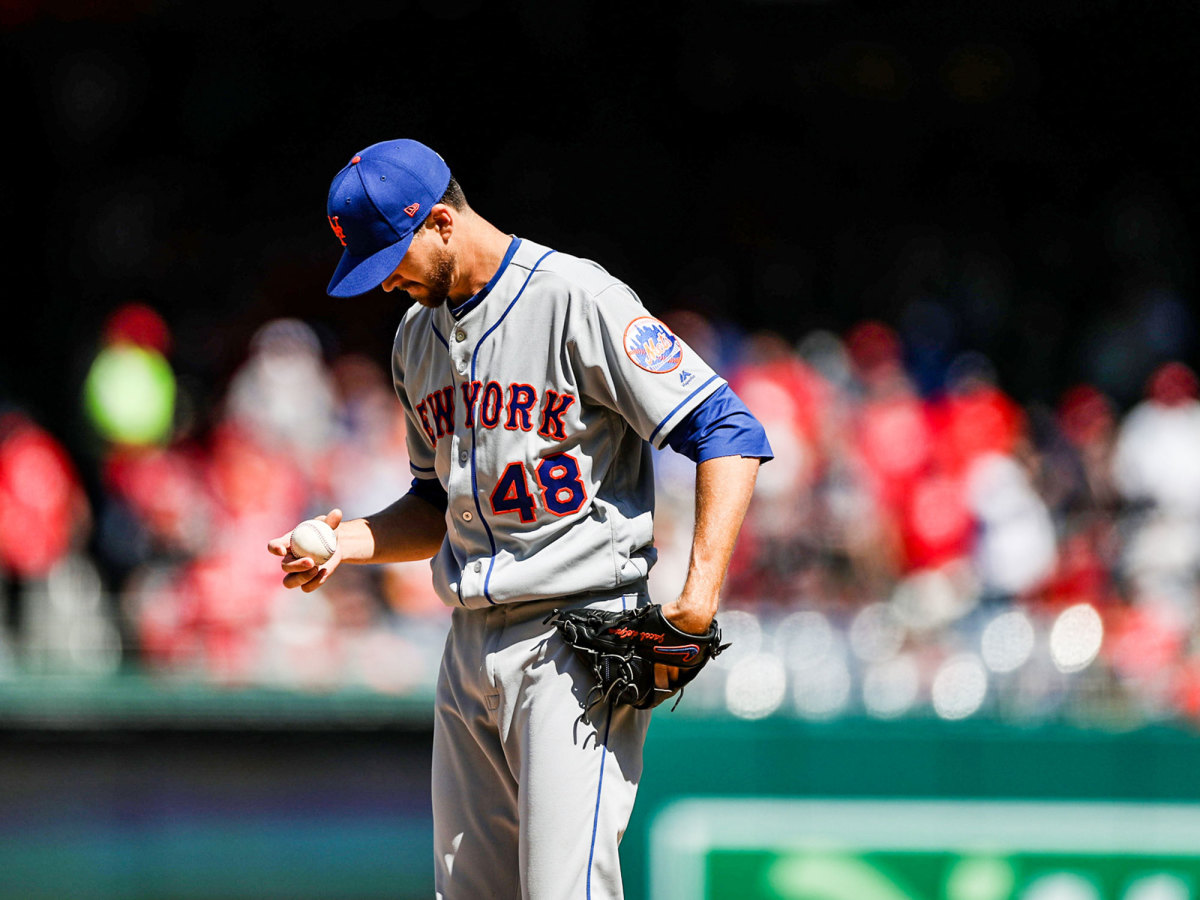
[{"x": 559, "y": 484}]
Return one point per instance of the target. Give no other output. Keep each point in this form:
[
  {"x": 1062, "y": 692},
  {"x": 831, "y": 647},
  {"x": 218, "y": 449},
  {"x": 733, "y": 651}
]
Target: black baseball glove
[{"x": 622, "y": 648}]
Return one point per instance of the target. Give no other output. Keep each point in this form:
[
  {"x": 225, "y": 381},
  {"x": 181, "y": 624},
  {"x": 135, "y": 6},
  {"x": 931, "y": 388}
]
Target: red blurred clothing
[
  {"x": 936, "y": 525},
  {"x": 894, "y": 441},
  {"x": 918, "y": 453},
  {"x": 1144, "y": 642},
  {"x": 1082, "y": 575},
  {"x": 1086, "y": 416},
  {"x": 251, "y": 481},
  {"x": 792, "y": 401},
  {"x": 783, "y": 389},
  {"x": 42, "y": 504},
  {"x": 137, "y": 323},
  {"x": 965, "y": 425},
  {"x": 165, "y": 490},
  {"x": 1173, "y": 384}
]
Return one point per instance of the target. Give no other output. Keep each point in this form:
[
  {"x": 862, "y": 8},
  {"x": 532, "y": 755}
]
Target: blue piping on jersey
[
  {"x": 682, "y": 404},
  {"x": 445, "y": 343},
  {"x": 472, "y": 302},
  {"x": 474, "y": 479},
  {"x": 599, "y": 788},
  {"x": 417, "y": 468},
  {"x": 600, "y": 785}
]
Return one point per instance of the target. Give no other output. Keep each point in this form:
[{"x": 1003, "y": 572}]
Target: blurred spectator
[
  {"x": 43, "y": 510},
  {"x": 129, "y": 391},
  {"x": 1155, "y": 460},
  {"x": 1015, "y": 544},
  {"x": 366, "y": 467},
  {"x": 55, "y": 617},
  {"x": 283, "y": 394},
  {"x": 1157, "y": 470},
  {"x": 935, "y": 548},
  {"x": 1088, "y": 421}
]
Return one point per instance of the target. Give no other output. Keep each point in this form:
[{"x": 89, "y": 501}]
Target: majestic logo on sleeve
[{"x": 651, "y": 346}]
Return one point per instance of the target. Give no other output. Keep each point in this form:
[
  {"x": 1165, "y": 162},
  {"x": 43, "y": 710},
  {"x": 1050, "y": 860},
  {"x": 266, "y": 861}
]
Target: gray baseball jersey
[{"x": 534, "y": 410}]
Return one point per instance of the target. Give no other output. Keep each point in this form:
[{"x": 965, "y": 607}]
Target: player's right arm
[{"x": 412, "y": 528}]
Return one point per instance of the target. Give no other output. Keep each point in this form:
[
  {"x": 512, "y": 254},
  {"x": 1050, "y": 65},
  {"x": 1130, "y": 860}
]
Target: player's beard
[{"x": 439, "y": 280}]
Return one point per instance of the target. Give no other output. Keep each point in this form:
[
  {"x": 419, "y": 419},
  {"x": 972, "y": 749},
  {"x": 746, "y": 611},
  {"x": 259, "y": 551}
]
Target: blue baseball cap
[{"x": 376, "y": 204}]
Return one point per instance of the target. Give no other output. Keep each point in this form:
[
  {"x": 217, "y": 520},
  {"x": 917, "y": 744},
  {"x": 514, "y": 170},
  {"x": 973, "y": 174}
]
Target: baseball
[{"x": 314, "y": 539}]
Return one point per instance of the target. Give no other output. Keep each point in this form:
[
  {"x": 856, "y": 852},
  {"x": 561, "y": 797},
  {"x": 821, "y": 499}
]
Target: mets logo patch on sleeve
[{"x": 651, "y": 346}]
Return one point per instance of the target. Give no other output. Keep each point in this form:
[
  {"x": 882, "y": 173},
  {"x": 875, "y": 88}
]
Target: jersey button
[
  {"x": 467, "y": 517},
  {"x": 463, "y": 457},
  {"x": 478, "y": 566},
  {"x": 460, "y": 335}
]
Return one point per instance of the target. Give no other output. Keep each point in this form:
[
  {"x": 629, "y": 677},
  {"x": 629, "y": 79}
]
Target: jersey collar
[{"x": 467, "y": 305}]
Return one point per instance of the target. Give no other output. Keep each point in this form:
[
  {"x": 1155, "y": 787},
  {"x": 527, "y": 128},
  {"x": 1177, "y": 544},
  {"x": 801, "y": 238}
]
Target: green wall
[
  {"x": 705, "y": 757},
  {"x": 301, "y": 811}
]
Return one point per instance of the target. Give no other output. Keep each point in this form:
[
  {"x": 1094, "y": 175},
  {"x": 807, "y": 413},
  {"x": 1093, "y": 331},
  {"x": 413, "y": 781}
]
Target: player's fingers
[
  {"x": 333, "y": 519},
  {"x": 301, "y": 564},
  {"x": 299, "y": 579},
  {"x": 279, "y": 546},
  {"x": 321, "y": 577},
  {"x": 665, "y": 676}
]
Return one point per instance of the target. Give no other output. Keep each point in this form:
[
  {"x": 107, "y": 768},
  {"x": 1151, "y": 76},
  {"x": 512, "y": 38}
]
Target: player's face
[{"x": 426, "y": 273}]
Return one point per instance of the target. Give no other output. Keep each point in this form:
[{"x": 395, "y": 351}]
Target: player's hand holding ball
[{"x": 310, "y": 552}]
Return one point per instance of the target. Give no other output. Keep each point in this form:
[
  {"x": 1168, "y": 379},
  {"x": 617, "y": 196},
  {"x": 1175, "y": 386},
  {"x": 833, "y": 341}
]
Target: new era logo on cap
[{"x": 373, "y": 206}]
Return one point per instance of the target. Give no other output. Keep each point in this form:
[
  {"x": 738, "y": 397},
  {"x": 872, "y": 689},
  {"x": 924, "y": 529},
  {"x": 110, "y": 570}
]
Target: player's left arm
[
  {"x": 723, "y": 488},
  {"x": 728, "y": 444}
]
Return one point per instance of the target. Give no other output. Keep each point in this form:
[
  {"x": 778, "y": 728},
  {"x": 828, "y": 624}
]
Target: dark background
[{"x": 1011, "y": 178}]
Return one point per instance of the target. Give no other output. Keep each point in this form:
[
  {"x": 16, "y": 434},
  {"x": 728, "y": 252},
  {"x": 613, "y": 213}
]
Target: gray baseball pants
[{"x": 529, "y": 800}]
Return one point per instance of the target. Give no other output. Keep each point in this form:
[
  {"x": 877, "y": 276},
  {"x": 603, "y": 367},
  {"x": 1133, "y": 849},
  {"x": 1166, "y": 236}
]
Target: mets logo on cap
[{"x": 650, "y": 344}]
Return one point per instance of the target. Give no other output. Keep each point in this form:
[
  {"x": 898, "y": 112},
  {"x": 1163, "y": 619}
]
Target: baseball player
[{"x": 534, "y": 384}]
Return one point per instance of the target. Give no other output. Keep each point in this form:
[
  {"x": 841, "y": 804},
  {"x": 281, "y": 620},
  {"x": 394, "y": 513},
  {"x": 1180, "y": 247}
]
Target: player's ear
[{"x": 441, "y": 218}]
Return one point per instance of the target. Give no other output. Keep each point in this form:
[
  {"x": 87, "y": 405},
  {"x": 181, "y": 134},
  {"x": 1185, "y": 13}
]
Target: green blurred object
[
  {"x": 140, "y": 701},
  {"x": 129, "y": 395},
  {"x": 1127, "y": 779},
  {"x": 758, "y": 848}
]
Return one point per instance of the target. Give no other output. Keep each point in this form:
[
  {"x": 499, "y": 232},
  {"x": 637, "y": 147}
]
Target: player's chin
[
  {"x": 421, "y": 295},
  {"x": 431, "y": 301}
]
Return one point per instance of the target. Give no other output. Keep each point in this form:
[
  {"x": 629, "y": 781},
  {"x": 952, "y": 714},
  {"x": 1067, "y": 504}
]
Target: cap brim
[{"x": 356, "y": 275}]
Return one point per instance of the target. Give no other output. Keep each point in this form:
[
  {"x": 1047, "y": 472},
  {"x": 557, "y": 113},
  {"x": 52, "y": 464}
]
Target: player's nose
[{"x": 393, "y": 280}]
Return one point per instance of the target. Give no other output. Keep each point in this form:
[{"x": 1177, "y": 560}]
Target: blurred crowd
[{"x": 909, "y": 551}]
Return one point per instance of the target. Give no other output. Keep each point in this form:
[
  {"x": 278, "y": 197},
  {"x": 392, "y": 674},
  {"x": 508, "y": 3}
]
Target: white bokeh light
[
  {"x": 1060, "y": 886},
  {"x": 743, "y": 632},
  {"x": 1159, "y": 886},
  {"x": 928, "y": 599},
  {"x": 756, "y": 686},
  {"x": 823, "y": 691},
  {"x": 875, "y": 633},
  {"x": 804, "y": 638},
  {"x": 1076, "y": 637},
  {"x": 960, "y": 686},
  {"x": 890, "y": 688},
  {"x": 1007, "y": 641}
]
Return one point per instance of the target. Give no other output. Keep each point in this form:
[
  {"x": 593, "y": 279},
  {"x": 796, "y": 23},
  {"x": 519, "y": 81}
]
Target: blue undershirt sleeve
[
  {"x": 720, "y": 426},
  {"x": 431, "y": 491}
]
